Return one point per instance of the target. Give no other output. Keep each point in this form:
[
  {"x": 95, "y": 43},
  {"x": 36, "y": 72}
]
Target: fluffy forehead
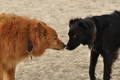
[{"x": 74, "y": 31}]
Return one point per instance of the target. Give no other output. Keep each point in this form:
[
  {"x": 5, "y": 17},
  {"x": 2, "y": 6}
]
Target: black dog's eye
[{"x": 74, "y": 36}]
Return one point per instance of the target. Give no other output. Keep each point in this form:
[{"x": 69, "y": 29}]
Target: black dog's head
[{"x": 81, "y": 31}]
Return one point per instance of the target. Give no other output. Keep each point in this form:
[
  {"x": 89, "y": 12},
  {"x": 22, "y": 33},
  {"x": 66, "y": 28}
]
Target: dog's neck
[
  {"x": 91, "y": 45},
  {"x": 30, "y": 45},
  {"x": 94, "y": 33},
  {"x": 30, "y": 48}
]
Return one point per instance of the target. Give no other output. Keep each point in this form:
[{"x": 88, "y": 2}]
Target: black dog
[{"x": 102, "y": 35}]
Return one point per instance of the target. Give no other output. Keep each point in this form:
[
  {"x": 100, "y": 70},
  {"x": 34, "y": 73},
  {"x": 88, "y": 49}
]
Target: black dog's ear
[
  {"x": 83, "y": 25},
  {"x": 73, "y": 20},
  {"x": 96, "y": 20}
]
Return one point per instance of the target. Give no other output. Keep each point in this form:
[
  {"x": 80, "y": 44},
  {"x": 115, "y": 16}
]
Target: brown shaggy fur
[{"x": 14, "y": 34}]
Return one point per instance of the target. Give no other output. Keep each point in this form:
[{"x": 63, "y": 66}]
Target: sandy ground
[{"x": 64, "y": 64}]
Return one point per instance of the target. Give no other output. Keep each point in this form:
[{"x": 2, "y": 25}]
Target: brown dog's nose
[{"x": 64, "y": 46}]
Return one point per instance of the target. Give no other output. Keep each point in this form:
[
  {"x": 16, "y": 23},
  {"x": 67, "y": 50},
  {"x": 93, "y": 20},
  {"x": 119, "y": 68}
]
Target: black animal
[{"x": 101, "y": 34}]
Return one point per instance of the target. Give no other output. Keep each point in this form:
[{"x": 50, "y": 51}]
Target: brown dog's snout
[
  {"x": 64, "y": 45},
  {"x": 58, "y": 45},
  {"x": 61, "y": 44}
]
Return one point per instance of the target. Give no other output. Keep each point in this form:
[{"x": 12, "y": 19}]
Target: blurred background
[{"x": 64, "y": 64}]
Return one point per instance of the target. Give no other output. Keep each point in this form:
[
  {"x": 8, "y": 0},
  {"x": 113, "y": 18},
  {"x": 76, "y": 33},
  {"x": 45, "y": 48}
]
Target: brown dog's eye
[{"x": 55, "y": 38}]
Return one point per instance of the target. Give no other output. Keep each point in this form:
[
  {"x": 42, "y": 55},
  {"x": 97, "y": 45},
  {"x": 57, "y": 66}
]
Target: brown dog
[{"x": 21, "y": 37}]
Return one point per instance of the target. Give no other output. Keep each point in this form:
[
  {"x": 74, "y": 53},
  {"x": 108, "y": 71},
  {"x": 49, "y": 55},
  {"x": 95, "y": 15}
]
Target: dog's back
[
  {"x": 13, "y": 35},
  {"x": 113, "y": 18},
  {"x": 109, "y": 27}
]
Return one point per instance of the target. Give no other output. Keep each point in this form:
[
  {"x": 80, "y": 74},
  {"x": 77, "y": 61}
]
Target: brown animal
[{"x": 21, "y": 37}]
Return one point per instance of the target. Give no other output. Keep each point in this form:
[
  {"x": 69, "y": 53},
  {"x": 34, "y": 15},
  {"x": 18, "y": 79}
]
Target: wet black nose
[{"x": 67, "y": 47}]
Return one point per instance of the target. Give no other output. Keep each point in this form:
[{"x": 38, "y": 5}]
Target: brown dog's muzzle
[
  {"x": 60, "y": 45},
  {"x": 57, "y": 45}
]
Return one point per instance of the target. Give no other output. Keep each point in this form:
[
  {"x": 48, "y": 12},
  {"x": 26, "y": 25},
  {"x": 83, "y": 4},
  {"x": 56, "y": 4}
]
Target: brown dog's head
[
  {"x": 52, "y": 39},
  {"x": 44, "y": 37}
]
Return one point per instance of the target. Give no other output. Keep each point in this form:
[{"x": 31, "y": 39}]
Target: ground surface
[{"x": 64, "y": 64}]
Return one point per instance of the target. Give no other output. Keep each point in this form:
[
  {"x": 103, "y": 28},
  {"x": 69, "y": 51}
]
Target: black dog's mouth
[
  {"x": 84, "y": 42},
  {"x": 71, "y": 47},
  {"x": 68, "y": 48}
]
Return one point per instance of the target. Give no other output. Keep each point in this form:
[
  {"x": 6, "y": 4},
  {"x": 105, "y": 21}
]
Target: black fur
[{"x": 105, "y": 40}]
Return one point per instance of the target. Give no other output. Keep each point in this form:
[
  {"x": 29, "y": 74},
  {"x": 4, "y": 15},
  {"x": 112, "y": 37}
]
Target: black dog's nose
[{"x": 67, "y": 47}]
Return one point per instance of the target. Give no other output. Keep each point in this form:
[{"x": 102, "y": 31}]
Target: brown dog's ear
[
  {"x": 37, "y": 36},
  {"x": 40, "y": 30},
  {"x": 37, "y": 32}
]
